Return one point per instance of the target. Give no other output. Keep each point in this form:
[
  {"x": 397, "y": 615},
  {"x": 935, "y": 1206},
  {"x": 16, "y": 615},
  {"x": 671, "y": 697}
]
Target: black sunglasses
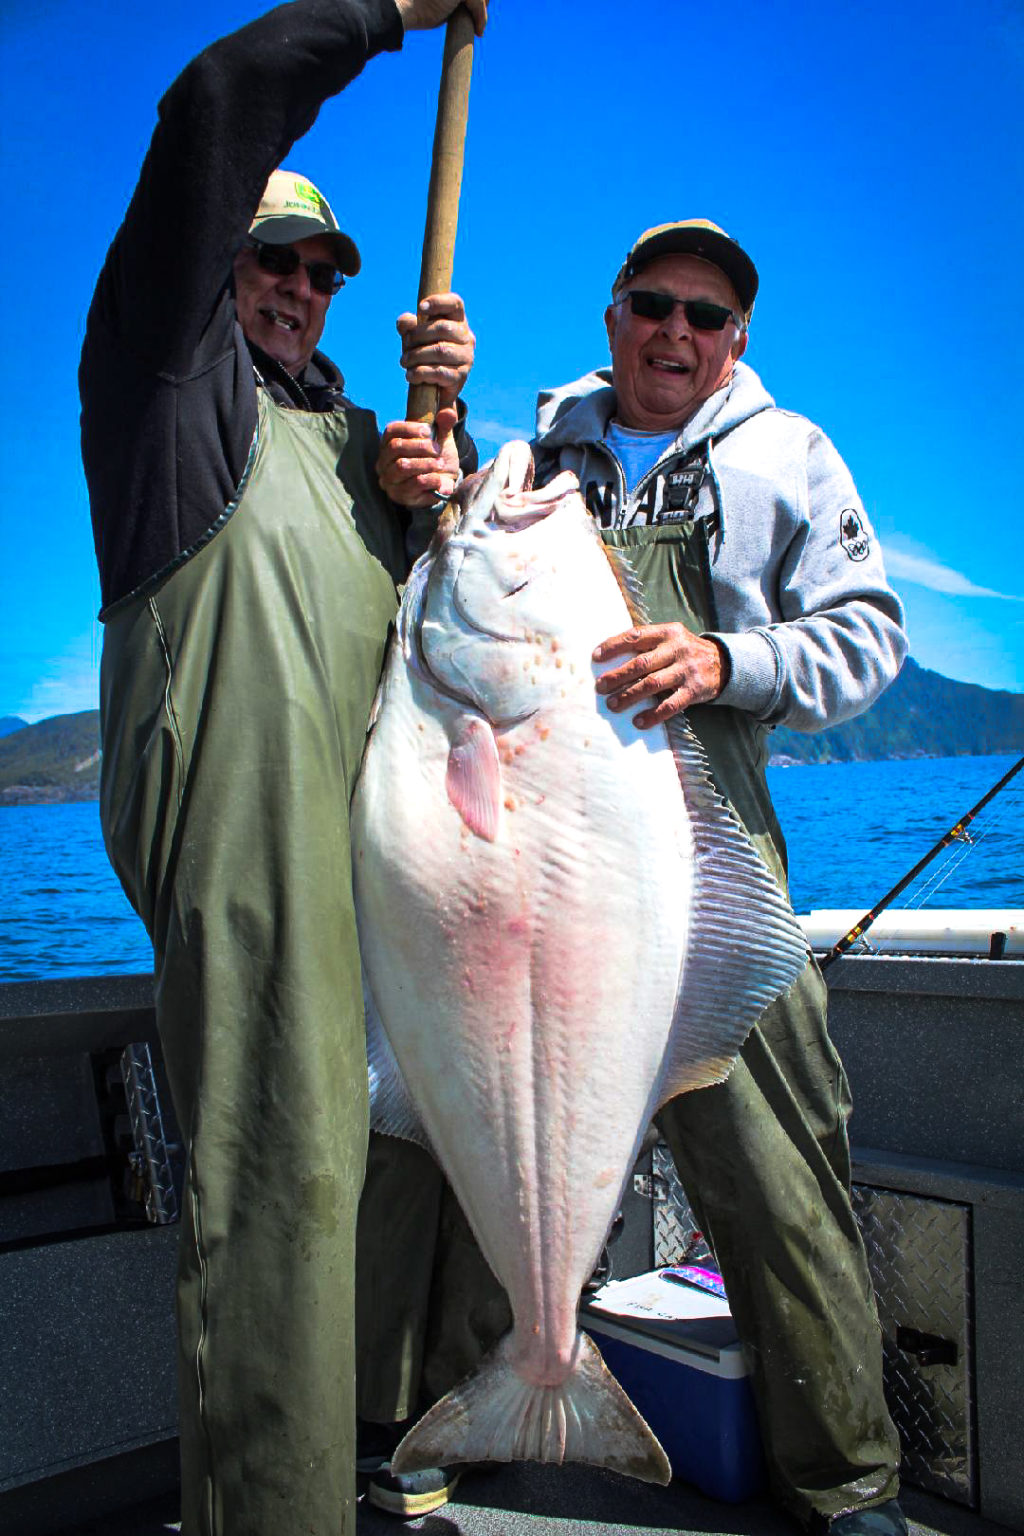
[
  {"x": 283, "y": 260},
  {"x": 701, "y": 313}
]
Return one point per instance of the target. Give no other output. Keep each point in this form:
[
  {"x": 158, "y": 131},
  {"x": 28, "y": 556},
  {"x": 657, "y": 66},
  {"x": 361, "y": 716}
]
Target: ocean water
[{"x": 853, "y": 830}]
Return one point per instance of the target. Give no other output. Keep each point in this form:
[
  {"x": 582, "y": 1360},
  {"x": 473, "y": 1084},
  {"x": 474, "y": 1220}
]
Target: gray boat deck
[
  {"x": 576, "y": 1501},
  {"x": 87, "y": 1397}
]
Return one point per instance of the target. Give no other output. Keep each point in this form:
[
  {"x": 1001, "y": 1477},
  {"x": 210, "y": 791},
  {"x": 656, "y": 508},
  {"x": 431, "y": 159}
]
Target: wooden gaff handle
[{"x": 445, "y": 183}]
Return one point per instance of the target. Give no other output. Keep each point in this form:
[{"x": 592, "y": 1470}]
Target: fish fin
[
  {"x": 629, "y": 583},
  {"x": 473, "y": 780},
  {"x": 496, "y": 1415},
  {"x": 745, "y": 945},
  {"x": 392, "y": 1111},
  {"x": 384, "y": 688},
  {"x": 375, "y": 708}
]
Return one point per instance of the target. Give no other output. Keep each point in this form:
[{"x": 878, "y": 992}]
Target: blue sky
[{"x": 867, "y": 156}]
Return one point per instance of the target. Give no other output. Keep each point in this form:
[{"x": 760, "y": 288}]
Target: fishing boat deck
[
  {"x": 577, "y": 1501},
  {"x": 87, "y": 1419}
]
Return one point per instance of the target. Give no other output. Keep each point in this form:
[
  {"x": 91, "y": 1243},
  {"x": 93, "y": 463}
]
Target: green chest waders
[
  {"x": 764, "y": 1156},
  {"x": 235, "y": 698}
]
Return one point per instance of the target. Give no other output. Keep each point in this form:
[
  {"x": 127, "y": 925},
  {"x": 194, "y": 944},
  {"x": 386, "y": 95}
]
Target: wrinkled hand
[
  {"x": 667, "y": 663},
  {"x": 418, "y": 15},
  {"x": 416, "y": 465},
  {"x": 438, "y": 346}
]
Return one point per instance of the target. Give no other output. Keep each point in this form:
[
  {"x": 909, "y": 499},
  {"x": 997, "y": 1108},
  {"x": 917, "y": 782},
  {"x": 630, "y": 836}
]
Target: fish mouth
[
  {"x": 501, "y": 496},
  {"x": 499, "y": 500},
  {"x": 464, "y": 697},
  {"x": 512, "y": 515},
  {"x": 412, "y": 629},
  {"x": 510, "y": 474},
  {"x": 513, "y": 510},
  {"x": 484, "y": 629},
  {"x": 503, "y": 502}
]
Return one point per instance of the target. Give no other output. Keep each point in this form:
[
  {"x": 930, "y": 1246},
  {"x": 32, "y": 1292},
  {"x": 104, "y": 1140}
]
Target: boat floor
[{"x": 527, "y": 1500}]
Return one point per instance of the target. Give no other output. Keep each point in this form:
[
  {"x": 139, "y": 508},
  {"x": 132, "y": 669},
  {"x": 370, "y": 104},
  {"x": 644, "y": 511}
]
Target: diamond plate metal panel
[
  {"x": 919, "y": 1255},
  {"x": 677, "y": 1238}
]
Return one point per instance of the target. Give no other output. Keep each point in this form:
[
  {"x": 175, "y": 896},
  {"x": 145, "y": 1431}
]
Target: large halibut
[{"x": 562, "y": 927}]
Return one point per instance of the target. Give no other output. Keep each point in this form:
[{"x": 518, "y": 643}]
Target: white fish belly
[{"x": 527, "y": 984}]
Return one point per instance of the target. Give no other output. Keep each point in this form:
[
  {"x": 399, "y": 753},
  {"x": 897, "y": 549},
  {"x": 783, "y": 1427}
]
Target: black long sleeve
[{"x": 166, "y": 380}]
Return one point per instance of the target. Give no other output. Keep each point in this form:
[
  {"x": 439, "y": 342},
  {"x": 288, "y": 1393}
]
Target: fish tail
[{"x": 496, "y": 1415}]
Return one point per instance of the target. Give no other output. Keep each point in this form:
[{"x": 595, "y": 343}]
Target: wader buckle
[{"x": 683, "y": 487}]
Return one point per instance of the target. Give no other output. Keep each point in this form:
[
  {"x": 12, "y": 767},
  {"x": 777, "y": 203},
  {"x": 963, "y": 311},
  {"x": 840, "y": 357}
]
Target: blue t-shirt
[{"x": 637, "y": 452}]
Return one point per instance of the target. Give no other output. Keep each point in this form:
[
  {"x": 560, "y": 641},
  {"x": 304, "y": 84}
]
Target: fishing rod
[{"x": 959, "y": 831}]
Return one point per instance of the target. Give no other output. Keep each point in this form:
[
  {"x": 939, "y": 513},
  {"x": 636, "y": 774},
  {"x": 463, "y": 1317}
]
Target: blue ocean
[{"x": 853, "y": 830}]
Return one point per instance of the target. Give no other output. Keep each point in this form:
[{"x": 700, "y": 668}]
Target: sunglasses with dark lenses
[
  {"x": 283, "y": 260},
  {"x": 700, "y": 313}
]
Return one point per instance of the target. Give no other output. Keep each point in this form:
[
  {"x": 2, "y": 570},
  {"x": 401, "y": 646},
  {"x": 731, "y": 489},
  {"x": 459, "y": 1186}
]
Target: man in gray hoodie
[
  {"x": 805, "y": 629},
  {"x": 769, "y": 605}
]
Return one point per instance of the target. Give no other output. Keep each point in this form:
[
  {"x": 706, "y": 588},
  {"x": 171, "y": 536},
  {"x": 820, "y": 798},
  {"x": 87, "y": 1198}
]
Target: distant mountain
[
  {"x": 55, "y": 760},
  {"x": 922, "y": 715},
  {"x": 9, "y": 723}
]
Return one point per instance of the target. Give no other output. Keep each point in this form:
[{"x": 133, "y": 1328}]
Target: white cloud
[
  {"x": 905, "y": 562},
  {"x": 965, "y": 639},
  {"x": 68, "y": 683},
  {"x": 498, "y": 431}
]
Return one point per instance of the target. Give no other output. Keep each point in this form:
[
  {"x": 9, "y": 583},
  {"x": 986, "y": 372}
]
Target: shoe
[
  {"x": 410, "y": 1494},
  {"x": 375, "y": 1443},
  {"x": 882, "y": 1520}
]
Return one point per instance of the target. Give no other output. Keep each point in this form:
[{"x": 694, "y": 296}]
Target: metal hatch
[{"x": 919, "y": 1257}]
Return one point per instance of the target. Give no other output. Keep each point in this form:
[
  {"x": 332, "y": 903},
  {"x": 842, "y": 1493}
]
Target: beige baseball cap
[
  {"x": 694, "y": 237},
  {"x": 291, "y": 208}
]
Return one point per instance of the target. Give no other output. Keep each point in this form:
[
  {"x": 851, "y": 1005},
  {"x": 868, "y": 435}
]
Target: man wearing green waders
[
  {"x": 769, "y": 605},
  {"x": 248, "y": 561}
]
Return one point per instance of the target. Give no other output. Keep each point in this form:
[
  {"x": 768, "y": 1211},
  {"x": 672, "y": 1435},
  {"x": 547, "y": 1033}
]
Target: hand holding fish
[
  {"x": 668, "y": 664},
  {"x": 437, "y": 345},
  {"x": 418, "y": 463},
  {"x": 423, "y": 14}
]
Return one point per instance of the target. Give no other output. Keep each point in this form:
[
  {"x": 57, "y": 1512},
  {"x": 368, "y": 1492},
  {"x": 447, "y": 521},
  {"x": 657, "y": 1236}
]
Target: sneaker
[
  {"x": 410, "y": 1494},
  {"x": 375, "y": 1443},
  {"x": 881, "y": 1520}
]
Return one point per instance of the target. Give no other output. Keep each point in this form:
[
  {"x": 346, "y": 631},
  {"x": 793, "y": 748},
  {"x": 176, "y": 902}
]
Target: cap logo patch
[
  {"x": 309, "y": 194},
  {"x": 853, "y": 536}
]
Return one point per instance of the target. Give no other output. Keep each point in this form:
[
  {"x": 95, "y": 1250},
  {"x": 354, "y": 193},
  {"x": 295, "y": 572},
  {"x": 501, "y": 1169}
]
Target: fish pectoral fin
[
  {"x": 496, "y": 1415},
  {"x": 473, "y": 780}
]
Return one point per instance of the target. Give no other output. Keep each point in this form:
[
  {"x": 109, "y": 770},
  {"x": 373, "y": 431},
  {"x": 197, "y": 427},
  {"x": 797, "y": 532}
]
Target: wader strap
[{"x": 672, "y": 561}]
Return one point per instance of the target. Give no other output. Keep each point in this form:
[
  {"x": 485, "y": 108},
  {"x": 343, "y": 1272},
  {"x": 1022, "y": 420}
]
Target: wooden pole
[{"x": 438, "y": 258}]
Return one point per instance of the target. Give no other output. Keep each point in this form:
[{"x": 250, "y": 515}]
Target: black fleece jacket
[{"x": 166, "y": 378}]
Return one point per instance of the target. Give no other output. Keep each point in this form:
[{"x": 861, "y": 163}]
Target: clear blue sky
[{"x": 868, "y": 156}]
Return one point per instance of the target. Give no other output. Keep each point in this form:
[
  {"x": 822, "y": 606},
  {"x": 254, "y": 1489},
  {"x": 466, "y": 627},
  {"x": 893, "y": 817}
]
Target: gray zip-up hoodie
[{"x": 813, "y": 629}]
